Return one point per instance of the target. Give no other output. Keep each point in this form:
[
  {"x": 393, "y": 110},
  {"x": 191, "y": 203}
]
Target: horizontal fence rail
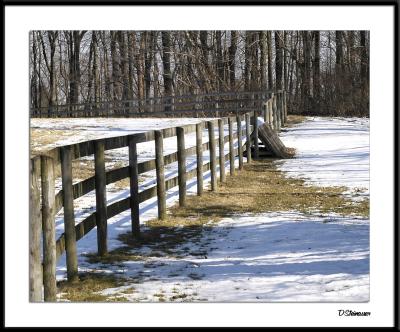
[
  {"x": 211, "y": 104},
  {"x": 45, "y": 203}
]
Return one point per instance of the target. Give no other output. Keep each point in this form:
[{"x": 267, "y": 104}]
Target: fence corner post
[
  {"x": 35, "y": 232},
  {"x": 48, "y": 224}
]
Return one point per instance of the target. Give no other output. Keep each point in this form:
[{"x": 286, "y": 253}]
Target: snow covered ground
[
  {"x": 263, "y": 258},
  {"x": 85, "y": 129},
  {"x": 330, "y": 152},
  {"x": 267, "y": 257}
]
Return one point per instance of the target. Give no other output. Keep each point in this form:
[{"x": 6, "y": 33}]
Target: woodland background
[{"x": 324, "y": 72}]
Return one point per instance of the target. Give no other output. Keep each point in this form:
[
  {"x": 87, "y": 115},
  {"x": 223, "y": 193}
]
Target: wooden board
[{"x": 272, "y": 142}]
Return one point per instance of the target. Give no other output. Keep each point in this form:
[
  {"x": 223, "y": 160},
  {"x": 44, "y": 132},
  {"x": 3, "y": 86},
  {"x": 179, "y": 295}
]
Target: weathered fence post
[
  {"x": 255, "y": 131},
  {"x": 270, "y": 120},
  {"x": 278, "y": 112},
  {"x": 199, "y": 158},
  {"x": 101, "y": 198},
  {"x": 285, "y": 107},
  {"x": 161, "y": 199},
  {"x": 134, "y": 186},
  {"x": 213, "y": 167},
  {"x": 282, "y": 109},
  {"x": 222, "y": 175},
  {"x": 69, "y": 216},
  {"x": 248, "y": 138},
  {"x": 239, "y": 133},
  {"x": 180, "y": 135},
  {"x": 265, "y": 111},
  {"x": 274, "y": 113},
  {"x": 231, "y": 149},
  {"x": 48, "y": 224},
  {"x": 35, "y": 232}
]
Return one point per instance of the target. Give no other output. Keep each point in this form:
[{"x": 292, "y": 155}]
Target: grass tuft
[{"x": 88, "y": 288}]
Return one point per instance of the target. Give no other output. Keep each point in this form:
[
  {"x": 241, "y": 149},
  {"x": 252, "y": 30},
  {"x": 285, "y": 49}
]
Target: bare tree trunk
[
  {"x": 77, "y": 35},
  {"x": 232, "y": 59},
  {"x": 140, "y": 66},
  {"x": 34, "y": 64},
  {"x": 219, "y": 62},
  {"x": 116, "y": 74},
  {"x": 278, "y": 60},
  {"x": 285, "y": 61},
  {"x": 269, "y": 46},
  {"x": 49, "y": 61},
  {"x": 166, "y": 59},
  {"x": 364, "y": 73},
  {"x": 156, "y": 74},
  {"x": 39, "y": 76},
  {"x": 148, "y": 62},
  {"x": 107, "y": 82},
  {"x": 96, "y": 73},
  {"x": 306, "y": 77},
  {"x": 124, "y": 64},
  {"x": 204, "y": 45},
  {"x": 348, "y": 72},
  {"x": 90, "y": 72},
  {"x": 131, "y": 60},
  {"x": 255, "y": 70},
  {"x": 339, "y": 71},
  {"x": 292, "y": 65},
  {"x": 316, "y": 71},
  {"x": 263, "y": 59},
  {"x": 247, "y": 63}
]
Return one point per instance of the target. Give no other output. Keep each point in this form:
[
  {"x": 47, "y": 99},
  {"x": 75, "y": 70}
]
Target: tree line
[{"x": 324, "y": 72}]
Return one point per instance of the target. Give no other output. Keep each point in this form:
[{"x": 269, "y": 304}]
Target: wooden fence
[
  {"x": 45, "y": 202},
  {"x": 210, "y": 104}
]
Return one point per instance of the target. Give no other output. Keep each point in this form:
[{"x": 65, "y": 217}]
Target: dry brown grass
[
  {"x": 43, "y": 139},
  {"x": 260, "y": 187},
  {"x": 122, "y": 184},
  {"x": 88, "y": 288},
  {"x": 294, "y": 119}
]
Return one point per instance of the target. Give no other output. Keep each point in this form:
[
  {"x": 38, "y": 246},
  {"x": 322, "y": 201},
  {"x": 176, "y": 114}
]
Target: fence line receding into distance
[{"x": 45, "y": 203}]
